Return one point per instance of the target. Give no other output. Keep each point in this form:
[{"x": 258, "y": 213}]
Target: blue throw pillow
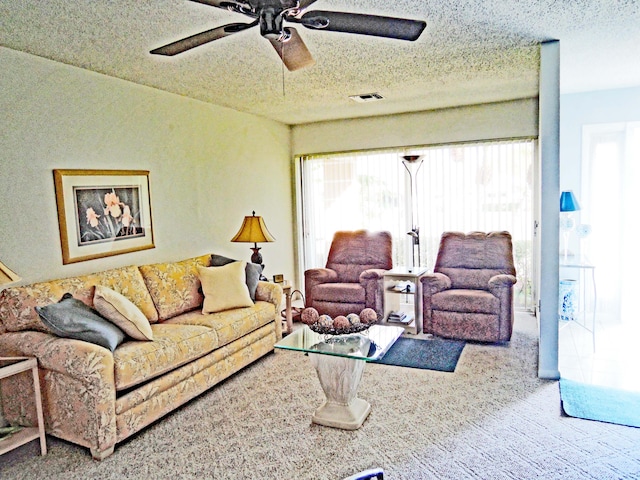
[
  {"x": 71, "y": 318},
  {"x": 252, "y": 272}
]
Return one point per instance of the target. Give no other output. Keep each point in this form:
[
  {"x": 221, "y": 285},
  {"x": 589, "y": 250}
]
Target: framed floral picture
[{"x": 102, "y": 213}]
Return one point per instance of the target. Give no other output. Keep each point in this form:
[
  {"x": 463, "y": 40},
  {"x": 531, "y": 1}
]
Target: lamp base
[{"x": 257, "y": 259}]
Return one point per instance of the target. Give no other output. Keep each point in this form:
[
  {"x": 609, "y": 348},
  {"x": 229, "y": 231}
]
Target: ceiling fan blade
[
  {"x": 293, "y": 52},
  {"x": 213, "y": 3},
  {"x": 305, "y": 4},
  {"x": 378, "y": 26},
  {"x": 198, "y": 39},
  {"x": 222, "y": 3}
]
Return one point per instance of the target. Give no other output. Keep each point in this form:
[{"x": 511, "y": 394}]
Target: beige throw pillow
[
  {"x": 122, "y": 312},
  {"x": 224, "y": 287}
]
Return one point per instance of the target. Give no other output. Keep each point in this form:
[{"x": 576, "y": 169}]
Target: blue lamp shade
[{"x": 568, "y": 202}]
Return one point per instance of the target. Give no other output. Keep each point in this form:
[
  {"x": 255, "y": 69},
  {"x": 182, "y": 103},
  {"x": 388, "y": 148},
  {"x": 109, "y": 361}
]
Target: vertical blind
[{"x": 465, "y": 187}]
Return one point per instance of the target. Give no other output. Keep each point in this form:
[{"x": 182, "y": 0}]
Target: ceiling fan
[{"x": 270, "y": 15}]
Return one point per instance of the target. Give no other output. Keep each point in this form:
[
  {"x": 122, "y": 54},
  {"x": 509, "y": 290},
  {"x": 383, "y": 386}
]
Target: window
[
  {"x": 466, "y": 187},
  {"x": 610, "y": 200}
]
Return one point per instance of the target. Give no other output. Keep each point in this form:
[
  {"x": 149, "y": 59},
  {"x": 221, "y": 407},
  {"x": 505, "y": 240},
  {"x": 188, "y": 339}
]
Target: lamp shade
[
  {"x": 568, "y": 202},
  {"x": 7, "y": 276},
  {"x": 253, "y": 230}
]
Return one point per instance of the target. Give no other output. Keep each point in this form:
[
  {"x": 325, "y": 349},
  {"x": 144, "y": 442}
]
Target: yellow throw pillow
[
  {"x": 122, "y": 312},
  {"x": 224, "y": 287}
]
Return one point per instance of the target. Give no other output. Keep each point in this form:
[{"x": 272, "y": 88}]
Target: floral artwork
[
  {"x": 102, "y": 212},
  {"x": 108, "y": 214}
]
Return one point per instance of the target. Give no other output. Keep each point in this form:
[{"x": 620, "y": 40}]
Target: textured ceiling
[{"x": 472, "y": 51}]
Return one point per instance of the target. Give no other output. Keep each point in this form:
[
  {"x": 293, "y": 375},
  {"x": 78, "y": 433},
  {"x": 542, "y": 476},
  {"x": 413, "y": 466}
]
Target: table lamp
[
  {"x": 568, "y": 205},
  {"x": 254, "y": 230},
  {"x": 7, "y": 276}
]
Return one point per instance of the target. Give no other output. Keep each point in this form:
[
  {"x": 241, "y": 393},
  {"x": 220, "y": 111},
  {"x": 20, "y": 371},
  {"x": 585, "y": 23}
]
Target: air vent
[{"x": 366, "y": 97}]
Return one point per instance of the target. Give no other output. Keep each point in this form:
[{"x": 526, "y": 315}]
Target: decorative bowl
[{"x": 331, "y": 330}]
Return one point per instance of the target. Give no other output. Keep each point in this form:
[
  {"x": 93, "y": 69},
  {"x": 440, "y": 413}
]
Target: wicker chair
[{"x": 469, "y": 296}]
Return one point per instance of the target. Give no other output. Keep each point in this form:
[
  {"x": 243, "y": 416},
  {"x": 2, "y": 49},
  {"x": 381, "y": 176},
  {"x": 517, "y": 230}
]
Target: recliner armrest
[
  {"x": 320, "y": 275},
  {"x": 502, "y": 280},
  {"x": 372, "y": 274},
  {"x": 435, "y": 282},
  {"x": 317, "y": 276}
]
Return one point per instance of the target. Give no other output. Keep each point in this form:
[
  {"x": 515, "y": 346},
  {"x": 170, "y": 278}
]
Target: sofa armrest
[
  {"x": 433, "y": 283},
  {"x": 77, "y": 384},
  {"x": 316, "y": 276},
  {"x": 272, "y": 293}
]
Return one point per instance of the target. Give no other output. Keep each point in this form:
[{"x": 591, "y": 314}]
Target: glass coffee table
[{"x": 339, "y": 361}]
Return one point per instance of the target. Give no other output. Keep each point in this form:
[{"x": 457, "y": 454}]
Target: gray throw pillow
[
  {"x": 252, "y": 272},
  {"x": 71, "y": 318}
]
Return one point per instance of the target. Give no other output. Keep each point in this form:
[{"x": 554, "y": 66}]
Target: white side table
[
  {"x": 586, "y": 270},
  {"x": 12, "y": 366},
  {"x": 403, "y": 295}
]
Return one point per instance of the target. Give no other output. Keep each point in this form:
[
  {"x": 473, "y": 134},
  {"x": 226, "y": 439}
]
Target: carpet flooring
[
  {"x": 490, "y": 419},
  {"x": 430, "y": 354},
  {"x": 594, "y": 402}
]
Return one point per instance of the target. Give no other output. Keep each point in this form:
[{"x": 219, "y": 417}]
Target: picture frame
[
  {"x": 102, "y": 213},
  {"x": 278, "y": 278}
]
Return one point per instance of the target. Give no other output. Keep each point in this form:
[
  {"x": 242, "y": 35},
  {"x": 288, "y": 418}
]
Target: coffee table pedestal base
[{"x": 340, "y": 378}]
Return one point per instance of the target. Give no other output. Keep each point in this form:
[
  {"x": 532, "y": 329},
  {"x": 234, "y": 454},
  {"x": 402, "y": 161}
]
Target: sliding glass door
[{"x": 466, "y": 187}]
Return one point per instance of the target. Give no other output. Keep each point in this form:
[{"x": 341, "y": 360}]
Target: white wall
[
  {"x": 209, "y": 166},
  {"x": 517, "y": 118}
]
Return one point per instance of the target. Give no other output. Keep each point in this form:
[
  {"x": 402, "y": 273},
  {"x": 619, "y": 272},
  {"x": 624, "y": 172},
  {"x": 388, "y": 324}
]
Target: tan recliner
[
  {"x": 470, "y": 294},
  {"x": 352, "y": 279}
]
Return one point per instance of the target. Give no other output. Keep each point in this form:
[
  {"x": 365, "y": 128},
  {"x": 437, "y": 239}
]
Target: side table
[
  {"x": 585, "y": 269},
  {"x": 10, "y": 366},
  {"x": 403, "y": 298},
  {"x": 288, "y": 314}
]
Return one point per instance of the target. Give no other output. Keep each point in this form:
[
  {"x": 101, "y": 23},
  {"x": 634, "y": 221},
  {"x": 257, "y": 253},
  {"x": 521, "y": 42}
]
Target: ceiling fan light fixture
[{"x": 366, "y": 97}]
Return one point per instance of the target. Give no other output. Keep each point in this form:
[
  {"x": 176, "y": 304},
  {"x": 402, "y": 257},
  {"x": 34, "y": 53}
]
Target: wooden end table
[
  {"x": 288, "y": 315},
  {"x": 10, "y": 366}
]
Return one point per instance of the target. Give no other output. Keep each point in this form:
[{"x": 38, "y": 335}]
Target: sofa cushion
[
  {"x": 17, "y": 303},
  {"x": 466, "y": 301},
  {"x": 122, "y": 312},
  {"x": 71, "y": 318},
  {"x": 252, "y": 272},
  {"x": 173, "y": 345},
  {"x": 230, "y": 324},
  {"x": 175, "y": 286},
  {"x": 224, "y": 287},
  {"x": 340, "y": 292}
]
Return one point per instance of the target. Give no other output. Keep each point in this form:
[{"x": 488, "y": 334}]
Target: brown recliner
[
  {"x": 470, "y": 294},
  {"x": 352, "y": 279}
]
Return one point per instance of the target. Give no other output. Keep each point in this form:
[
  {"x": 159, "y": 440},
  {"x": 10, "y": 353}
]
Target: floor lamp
[
  {"x": 412, "y": 164},
  {"x": 568, "y": 205}
]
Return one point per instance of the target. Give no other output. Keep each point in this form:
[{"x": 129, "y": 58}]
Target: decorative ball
[
  {"x": 341, "y": 322},
  {"x": 325, "y": 321},
  {"x": 368, "y": 315},
  {"x": 309, "y": 316},
  {"x": 354, "y": 318}
]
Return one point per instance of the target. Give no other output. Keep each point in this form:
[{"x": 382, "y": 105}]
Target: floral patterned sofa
[{"x": 97, "y": 398}]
